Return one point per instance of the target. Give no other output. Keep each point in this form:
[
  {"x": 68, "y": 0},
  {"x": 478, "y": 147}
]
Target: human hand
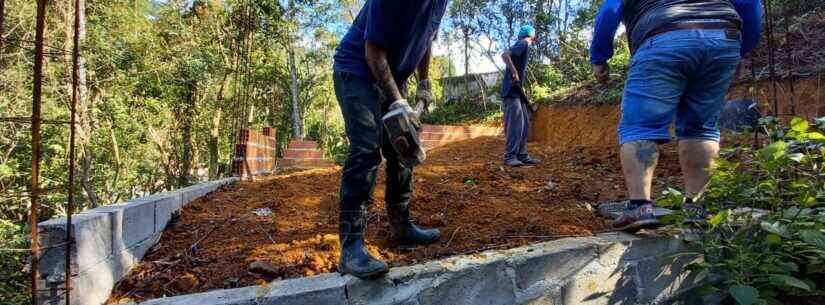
[
  {"x": 424, "y": 94},
  {"x": 602, "y": 73}
]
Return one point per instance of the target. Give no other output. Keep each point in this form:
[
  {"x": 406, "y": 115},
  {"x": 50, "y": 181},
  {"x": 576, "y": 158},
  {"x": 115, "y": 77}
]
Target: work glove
[
  {"x": 602, "y": 73},
  {"x": 424, "y": 94},
  {"x": 405, "y": 107}
]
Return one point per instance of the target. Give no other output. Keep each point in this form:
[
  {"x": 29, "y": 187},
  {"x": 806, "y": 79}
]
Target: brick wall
[{"x": 254, "y": 152}]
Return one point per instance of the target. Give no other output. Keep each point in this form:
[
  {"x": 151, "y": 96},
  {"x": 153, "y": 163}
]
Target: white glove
[{"x": 402, "y": 105}]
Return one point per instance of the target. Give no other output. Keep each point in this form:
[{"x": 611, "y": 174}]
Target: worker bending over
[
  {"x": 387, "y": 42},
  {"x": 685, "y": 54}
]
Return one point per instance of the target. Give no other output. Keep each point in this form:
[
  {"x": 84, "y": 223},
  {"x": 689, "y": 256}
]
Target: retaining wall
[
  {"x": 108, "y": 242},
  {"x": 614, "y": 268}
]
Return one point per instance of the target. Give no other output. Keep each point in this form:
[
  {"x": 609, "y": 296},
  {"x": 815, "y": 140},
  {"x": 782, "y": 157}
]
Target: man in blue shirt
[
  {"x": 685, "y": 53},
  {"x": 516, "y": 110},
  {"x": 386, "y": 44}
]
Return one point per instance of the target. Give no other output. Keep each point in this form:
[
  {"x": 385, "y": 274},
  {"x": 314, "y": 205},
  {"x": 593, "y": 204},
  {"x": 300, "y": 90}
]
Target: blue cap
[{"x": 526, "y": 31}]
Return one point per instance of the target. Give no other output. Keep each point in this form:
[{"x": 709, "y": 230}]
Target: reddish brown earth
[{"x": 463, "y": 190}]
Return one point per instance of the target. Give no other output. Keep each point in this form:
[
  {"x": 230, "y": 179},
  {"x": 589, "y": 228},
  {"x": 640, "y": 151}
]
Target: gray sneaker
[
  {"x": 530, "y": 161},
  {"x": 513, "y": 163}
]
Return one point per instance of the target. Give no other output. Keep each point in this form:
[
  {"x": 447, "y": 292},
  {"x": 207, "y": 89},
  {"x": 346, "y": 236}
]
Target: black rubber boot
[
  {"x": 404, "y": 232},
  {"x": 355, "y": 259}
]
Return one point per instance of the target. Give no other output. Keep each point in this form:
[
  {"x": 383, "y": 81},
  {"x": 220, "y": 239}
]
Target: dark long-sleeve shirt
[{"x": 610, "y": 15}]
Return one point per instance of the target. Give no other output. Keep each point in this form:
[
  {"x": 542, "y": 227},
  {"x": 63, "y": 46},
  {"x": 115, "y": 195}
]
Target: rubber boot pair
[{"x": 356, "y": 260}]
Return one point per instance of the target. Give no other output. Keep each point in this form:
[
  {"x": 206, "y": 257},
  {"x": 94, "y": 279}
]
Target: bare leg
[
  {"x": 696, "y": 157},
  {"x": 639, "y": 159}
]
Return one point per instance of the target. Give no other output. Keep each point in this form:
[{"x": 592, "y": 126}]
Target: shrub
[{"x": 777, "y": 257}]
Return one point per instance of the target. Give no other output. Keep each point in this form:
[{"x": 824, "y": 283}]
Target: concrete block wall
[
  {"x": 254, "y": 152},
  {"x": 108, "y": 242},
  {"x": 613, "y": 268}
]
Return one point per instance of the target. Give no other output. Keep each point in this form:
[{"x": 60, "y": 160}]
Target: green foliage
[
  {"x": 778, "y": 258},
  {"x": 12, "y": 279},
  {"x": 465, "y": 111}
]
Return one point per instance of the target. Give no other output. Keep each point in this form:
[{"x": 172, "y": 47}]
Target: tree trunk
[
  {"x": 297, "y": 123},
  {"x": 2, "y": 24},
  {"x": 186, "y": 132},
  {"x": 37, "y": 90},
  {"x": 214, "y": 140}
]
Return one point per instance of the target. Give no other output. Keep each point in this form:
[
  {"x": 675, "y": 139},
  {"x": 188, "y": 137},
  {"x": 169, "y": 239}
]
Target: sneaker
[
  {"x": 513, "y": 163},
  {"x": 638, "y": 218},
  {"x": 530, "y": 161},
  {"x": 695, "y": 214}
]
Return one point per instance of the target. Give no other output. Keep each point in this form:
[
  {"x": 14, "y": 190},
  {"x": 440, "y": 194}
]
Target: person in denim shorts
[{"x": 684, "y": 57}]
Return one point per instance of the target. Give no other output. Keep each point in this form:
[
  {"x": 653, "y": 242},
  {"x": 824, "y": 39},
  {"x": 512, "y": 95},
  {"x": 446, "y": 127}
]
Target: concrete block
[
  {"x": 166, "y": 204},
  {"x": 322, "y": 289},
  {"x": 544, "y": 292},
  {"x": 92, "y": 233},
  {"x": 554, "y": 260},
  {"x": 602, "y": 285},
  {"x": 482, "y": 279},
  {"x": 664, "y": 277},
  {"x": 131, "y": 222},
  {"x": 627, "y": 247}
]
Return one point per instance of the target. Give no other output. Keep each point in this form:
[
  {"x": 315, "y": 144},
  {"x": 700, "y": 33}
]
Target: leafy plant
[{"x": 767, "y": 238}]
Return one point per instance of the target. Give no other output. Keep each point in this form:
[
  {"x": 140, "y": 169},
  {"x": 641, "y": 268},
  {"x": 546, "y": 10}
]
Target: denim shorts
[{"x": 679, "y": 77}]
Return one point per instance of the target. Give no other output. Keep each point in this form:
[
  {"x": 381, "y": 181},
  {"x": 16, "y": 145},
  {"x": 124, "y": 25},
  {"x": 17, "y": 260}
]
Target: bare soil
[{"x": 463, "y": 190}]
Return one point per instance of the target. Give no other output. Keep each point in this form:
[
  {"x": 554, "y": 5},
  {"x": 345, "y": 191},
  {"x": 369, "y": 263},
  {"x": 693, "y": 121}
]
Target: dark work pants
[
  {"x": 516, "y": 128},
  {"x": 362, "y": 109}
]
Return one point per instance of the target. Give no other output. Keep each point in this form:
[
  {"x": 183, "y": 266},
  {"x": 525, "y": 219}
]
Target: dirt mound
[
  {"x": 563, "y": 127},
  {"x": 463, "y": 190}
]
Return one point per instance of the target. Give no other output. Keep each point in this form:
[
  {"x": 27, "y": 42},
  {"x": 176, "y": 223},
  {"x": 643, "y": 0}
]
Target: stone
[{"x": 265, "y": 269}]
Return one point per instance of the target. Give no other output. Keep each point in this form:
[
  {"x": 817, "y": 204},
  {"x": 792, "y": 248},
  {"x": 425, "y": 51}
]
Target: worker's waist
[{"x": 695, "y": 25}]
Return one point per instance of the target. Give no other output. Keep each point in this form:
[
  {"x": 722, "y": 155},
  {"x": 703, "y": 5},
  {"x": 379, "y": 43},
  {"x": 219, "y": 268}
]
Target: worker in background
[
  {"x": 684, "y": 55},
  {"x": 516, "y": 109},
  {"x": 386, "y": 44}
]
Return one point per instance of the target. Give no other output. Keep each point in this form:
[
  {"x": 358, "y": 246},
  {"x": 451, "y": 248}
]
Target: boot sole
[
  {"x": 640, "y": 224},
  {"x": 368, "y": 275}
]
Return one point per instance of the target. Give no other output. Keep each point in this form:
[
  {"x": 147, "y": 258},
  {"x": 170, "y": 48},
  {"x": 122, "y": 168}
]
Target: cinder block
[
  {"x": 166, "y": 204},
  {"x": 89, "y": 287},
  {"x": 664, "y": 277},
  {"x": 554, "y": 260},
  {"x": 602, "y": 285},
  {"x": 630, "y": 248},
  {"x": 323, "y": 289},
  {"x": 92, "y": 233},
  {"x": 131, "y": 222},
  {"x": 544, "y": 292},
  {"x": 480, "y": 279}
]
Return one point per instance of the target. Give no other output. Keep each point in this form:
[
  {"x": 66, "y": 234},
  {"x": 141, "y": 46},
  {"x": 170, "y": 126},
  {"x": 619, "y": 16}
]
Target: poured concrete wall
[
  {"x": 109, "y": 241},
  {"x": 614, "y": 268}
]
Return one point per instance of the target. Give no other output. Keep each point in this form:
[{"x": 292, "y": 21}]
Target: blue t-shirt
[
  {"x": 405, "y": 28},
  {"x": 518, "y": 53}
]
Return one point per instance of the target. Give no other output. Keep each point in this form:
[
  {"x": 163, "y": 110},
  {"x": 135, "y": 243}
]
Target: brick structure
[
  {"x": 439, "y": 135},
  {"x": 304, "y": 154},
  {"x": 254, "y": 152}
]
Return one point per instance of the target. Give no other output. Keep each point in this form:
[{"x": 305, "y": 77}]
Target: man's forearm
[
  {"x": 376, "y": 58},
  {"x": 424, "y": 65}
]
